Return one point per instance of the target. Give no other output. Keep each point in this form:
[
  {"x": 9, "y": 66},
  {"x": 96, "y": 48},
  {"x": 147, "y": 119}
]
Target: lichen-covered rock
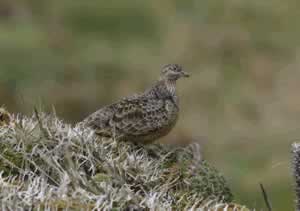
[{"x": 48, "y": 164}]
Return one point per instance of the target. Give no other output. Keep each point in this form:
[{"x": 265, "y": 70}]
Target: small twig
[{"x": 266, "y": 198}]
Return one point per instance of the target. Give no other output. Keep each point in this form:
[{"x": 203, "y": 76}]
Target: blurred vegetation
[{"x": 242, "y": 102}]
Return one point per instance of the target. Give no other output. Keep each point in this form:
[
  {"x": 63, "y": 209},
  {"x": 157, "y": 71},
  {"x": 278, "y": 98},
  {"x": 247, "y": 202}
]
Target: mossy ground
[{"x": 46, "y": 163}]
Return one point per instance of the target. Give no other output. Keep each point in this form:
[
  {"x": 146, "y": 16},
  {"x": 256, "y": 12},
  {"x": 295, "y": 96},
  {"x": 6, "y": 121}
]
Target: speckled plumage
[{"x": 142, "y": 117}]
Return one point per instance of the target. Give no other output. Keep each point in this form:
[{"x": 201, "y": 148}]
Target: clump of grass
[{"x": 45, "y": 164}]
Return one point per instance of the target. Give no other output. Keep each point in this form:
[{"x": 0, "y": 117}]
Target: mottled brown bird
[{"x": 141, "y": 118}]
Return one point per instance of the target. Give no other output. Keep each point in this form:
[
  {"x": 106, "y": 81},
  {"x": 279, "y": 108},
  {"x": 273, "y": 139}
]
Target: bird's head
[{"x": 173, "y": 72}]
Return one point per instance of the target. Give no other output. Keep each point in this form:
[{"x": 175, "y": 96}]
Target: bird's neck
[
  {"x": 170, "y": 86},
  {"x": 163, "y": 89}
]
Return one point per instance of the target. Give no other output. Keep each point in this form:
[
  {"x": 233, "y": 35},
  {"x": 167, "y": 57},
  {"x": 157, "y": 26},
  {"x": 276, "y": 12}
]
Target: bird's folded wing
[
  {"x": 99, "y": 120},
  {"x": 138, "y": 116}
]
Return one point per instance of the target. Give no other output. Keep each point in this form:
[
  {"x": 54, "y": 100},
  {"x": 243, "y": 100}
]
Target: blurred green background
[{"x": 242, "y": 101}]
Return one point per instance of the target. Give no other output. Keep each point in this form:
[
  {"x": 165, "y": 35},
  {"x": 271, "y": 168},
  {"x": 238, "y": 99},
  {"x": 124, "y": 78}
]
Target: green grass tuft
[{"x": 46, "y": 163}]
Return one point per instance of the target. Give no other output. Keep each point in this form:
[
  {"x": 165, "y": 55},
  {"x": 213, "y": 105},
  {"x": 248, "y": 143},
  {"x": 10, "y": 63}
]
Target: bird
[
  {"x": 5, "y": 117},
  {"x": 141, "y": 118}
]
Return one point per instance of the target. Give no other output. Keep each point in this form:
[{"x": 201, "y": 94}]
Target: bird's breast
[{"x": 172, "y": 110}]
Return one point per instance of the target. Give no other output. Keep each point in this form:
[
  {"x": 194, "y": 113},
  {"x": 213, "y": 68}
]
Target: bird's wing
[
  {"x": 99, "y": 120},
  {"x": 131, "y": 116},
  {"x": 138, "y": 115}
]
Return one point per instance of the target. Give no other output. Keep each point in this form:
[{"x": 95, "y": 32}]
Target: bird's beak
[{"x": 185, "y": 74}]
